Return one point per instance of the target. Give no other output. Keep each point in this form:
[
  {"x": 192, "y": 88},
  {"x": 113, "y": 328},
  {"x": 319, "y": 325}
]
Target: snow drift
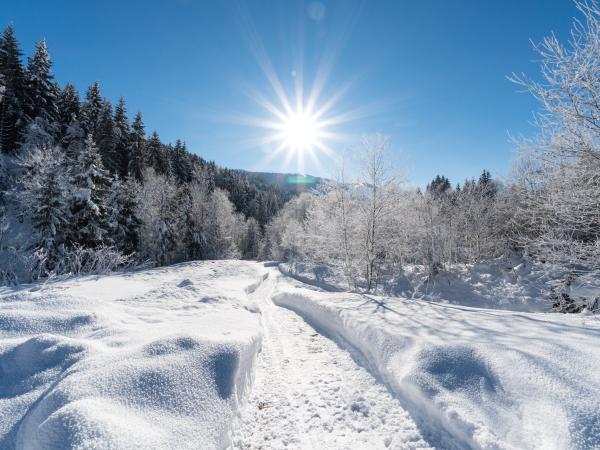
[{"x": 155, "y": 359}]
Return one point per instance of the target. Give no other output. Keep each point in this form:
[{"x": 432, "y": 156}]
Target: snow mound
[
  {"x": 470, "y": 377},
  {"x": 149, "y": 366}
]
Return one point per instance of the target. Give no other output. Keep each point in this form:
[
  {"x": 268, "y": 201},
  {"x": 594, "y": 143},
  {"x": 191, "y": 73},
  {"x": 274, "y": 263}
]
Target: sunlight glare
[{"x": 300, "y": 132}]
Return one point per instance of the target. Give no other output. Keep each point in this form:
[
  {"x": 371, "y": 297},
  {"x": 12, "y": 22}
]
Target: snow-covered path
[
  {"x": 308, "y": 393},
  {"x": 168, "y": 358}
]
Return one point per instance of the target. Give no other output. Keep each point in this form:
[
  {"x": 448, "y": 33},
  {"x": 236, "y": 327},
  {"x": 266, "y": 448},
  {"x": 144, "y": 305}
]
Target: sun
[
  {"x": 303, "y": 114},
  {"x": 300, "y": 132}
]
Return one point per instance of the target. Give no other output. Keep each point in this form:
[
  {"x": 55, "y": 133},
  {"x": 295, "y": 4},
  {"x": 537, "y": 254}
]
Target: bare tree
[
  {"x": 557, "y": 188},
  {"x": 381, "y": 186}
]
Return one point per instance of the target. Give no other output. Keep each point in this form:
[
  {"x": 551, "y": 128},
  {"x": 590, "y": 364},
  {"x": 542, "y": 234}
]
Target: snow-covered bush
[{"x": 104, "y": 259}]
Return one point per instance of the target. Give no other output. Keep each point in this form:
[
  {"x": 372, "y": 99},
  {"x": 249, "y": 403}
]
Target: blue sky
[{"x": 429, "y": 74}]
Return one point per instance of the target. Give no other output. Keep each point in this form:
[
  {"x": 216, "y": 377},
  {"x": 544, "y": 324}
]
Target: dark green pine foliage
[
  {"x": 91, "y": 110},
  {"x": 252, "y": 240},
  {"x": 157, "y": 155},
  {"x": 69, "y": 108},
  {"x": 42, "y": 93},
  {"x": 105, "y": 137},
  {"x": 181, "y": 164},
  {"x": 72, "y": 134},
  {"x": 192, "y": 239},
  {"x": 124, "y": 221},
  {"x": 13, "y": 118},
  {"x": 439, "y": 186},
  {"x": 486, "y": 184},
  {"x": 137, "y": 144},
  {"x": 89, "y": 209},
  {"x": 121, "y": 135}
]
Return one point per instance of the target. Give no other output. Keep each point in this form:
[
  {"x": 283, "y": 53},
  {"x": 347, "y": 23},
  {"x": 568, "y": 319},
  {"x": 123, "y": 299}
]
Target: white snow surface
[
  {"x": 233, "y": 354},
  {"x": 471, "y": 378},
  {"x": 310, "y": 394},
  {"x": 155, "y": 359}
]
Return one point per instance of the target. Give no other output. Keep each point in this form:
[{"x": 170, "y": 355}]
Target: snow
[
  {"x": 502, "y": 283},
  {"x": 470, "y": 377},
  {"x": 234, "y": 354},
  {"x": 153, "y": 359},
  {"x": 311, "y": 394}
]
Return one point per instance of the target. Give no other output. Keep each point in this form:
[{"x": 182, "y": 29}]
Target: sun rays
[{"x": 297, "y": 122}]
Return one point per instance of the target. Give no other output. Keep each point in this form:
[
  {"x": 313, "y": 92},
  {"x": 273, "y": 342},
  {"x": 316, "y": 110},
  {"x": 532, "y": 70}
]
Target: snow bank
[
  {"x": 508, "y": 284},
  {"x": 471, "y": 378},
  {"x": 154, "y": 359},
  {"x": 514, "y": 285}
]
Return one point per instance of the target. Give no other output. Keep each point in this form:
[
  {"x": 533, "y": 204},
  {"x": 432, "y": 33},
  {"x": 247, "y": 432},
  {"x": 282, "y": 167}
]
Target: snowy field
[
  {"x": 155, "y": 359},
  {"x": 233, "y": 354}
]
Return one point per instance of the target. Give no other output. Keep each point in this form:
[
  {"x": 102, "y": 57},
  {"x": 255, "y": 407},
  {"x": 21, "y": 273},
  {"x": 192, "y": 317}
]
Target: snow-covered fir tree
[
  {"x": 91, "y": 109},
  {"x": 46, "y": 190},
  {"x": 69, "y": 108},
  {"x": 89, "y": 209},
  {"x": 42, "y": 92},
  {"x": 124, "y": 221}
]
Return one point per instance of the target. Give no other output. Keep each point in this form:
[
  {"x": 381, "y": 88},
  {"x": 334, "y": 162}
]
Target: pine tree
[
  {"x": 252, "y": 239},
  {"x": 157, "y": 157},
  {"x": 106, "y": 139},
  {"x": 123, "y": 203},
  {"x": 44, "y": 194},
  {"x": 68, "y": 108},
  {"x": 439, "y": 186},
  {"x": 137, "y": 142},
  {"x": 122, "y": 144},
  {"x": 36, "y": 138},
  {"x": 13, "y": 118},
  {"x": 90, "y": 213},
  {"x": 41, "y": 91},
  {"x": 91, "y": 110},
  {"x": 159, "y": 212},
  {"x": 486, "y": 184},
  {"x": 181, "y": 165},
  {"x": 73, "y": 140},
  {"x": 50, "y": 216},
  {"x": 190, "y": 220}
]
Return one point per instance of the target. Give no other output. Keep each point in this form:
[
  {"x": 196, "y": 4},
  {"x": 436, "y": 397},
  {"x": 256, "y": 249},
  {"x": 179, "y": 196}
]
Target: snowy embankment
[
  {"x": 508, "y": 284},
  {"x": 471, "y": 378},
  {"x": 154, "y": 359}
]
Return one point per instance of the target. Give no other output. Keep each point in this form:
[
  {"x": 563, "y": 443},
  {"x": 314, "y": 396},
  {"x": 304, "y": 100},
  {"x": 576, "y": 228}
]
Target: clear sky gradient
[{"x": 430, "y": 74}]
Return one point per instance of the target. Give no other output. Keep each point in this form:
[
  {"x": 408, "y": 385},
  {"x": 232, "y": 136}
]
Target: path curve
[{"x": 310, "y": 394}]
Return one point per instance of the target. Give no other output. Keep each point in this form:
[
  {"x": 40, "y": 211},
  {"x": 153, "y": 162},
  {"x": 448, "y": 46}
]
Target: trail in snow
[{"x": 309, "y": 393}]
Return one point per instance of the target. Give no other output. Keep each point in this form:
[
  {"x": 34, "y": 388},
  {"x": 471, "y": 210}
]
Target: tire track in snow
[{"x": 310, "y": 394}]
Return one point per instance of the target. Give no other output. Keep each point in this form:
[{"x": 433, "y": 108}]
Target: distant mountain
[{"x": 289, "y": 182}]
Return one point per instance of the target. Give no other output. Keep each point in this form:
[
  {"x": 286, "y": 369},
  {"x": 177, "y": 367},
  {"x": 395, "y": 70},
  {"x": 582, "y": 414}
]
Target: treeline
[
  {"x": 371, "y": 228},
  {"x": 83, "y": 188},
  {"x": 548, "y": 211}
]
